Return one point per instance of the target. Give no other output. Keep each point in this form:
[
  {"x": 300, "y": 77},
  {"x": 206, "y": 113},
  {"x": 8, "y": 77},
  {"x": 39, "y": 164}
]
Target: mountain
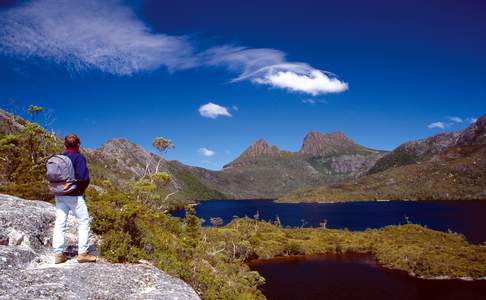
[
  {"x": 445, "y": 166},
  {"x": 121, "y": 161},
  {"x": 10, "y": 122},
  {"x": 261, "y": 171},
  {"x": 322, "y": 145},
  {"x": 415, "y": 151},
  {"x": 264, "y": 171},
  {"x": 425, "y": 149},
  {"x": 259, "y": 148}
]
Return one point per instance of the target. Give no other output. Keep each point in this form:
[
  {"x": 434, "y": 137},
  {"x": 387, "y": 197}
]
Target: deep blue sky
[{"x": 408, "y": 64}]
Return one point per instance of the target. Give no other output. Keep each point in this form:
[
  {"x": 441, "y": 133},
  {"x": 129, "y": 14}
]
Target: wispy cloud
[
  {"x": 456, "y": 119},
  {"x": 107, "y": 36},
  {"x": 206, "y": 152},
  {"x": 440, "y": 125},
  {"x": 314, "y": 101},
  {"x": 472, "y": 120},
  {"x": 269, "y": 67},
  {"x": 212, "y": 110},
  {"x": 89, "y": 35}
]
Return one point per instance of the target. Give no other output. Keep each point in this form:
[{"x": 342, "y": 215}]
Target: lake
[
  {"x": 354, "y": 276},
  {"x": 465, "y": 217}
]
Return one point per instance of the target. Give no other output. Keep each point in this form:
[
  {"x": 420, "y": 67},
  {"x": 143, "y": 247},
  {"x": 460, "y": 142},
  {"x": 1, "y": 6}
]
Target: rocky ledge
[{"x": 27, "y": 270}]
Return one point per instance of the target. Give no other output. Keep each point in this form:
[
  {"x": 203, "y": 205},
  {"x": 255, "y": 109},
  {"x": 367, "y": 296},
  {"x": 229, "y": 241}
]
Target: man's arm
[
  {"x": 81, "y": 173},
  {"x": 81, "y": 169}
]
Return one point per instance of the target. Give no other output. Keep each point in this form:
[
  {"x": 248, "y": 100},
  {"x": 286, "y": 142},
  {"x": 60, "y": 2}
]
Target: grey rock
[
  {"x": 26, "y": 223},
  {"x": 92, "y": 281},
  {"x": 354, "y": 164},
  {"x": 27, "y": 270},
  {"x": 10, "y": 123},
  {"x": 475, "y": 134}
]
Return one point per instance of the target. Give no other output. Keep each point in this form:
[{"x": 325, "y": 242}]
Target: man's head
[{"x": 72, "y": 141}]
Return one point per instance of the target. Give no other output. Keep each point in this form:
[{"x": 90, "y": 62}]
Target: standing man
[{"x": 73, "y": 201}]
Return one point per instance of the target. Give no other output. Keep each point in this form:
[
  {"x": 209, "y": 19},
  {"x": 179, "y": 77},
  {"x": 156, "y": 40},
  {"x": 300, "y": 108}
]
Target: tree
[
  {"x": 162, "y": 145},
  {"x": 22, "y": 161},
  {"x": 33, "y": 110},
  {"x": 193, "y": 227},
  {"x": 143, "y": 189},
  {"x": 160, "y": 179}
]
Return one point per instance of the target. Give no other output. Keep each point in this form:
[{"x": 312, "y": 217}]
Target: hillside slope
[
  {"x": 446, "y": 166},
  {"x": 121, "y": 161}
]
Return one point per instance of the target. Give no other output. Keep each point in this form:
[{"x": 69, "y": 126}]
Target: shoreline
[{"x": 368, "y": 258}]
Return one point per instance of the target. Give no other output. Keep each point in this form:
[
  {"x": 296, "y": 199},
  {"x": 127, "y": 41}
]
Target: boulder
[{"x": 27, "y": 270}]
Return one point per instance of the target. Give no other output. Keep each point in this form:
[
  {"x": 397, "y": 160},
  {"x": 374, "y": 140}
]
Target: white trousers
[{"x": 77, "y": 205}]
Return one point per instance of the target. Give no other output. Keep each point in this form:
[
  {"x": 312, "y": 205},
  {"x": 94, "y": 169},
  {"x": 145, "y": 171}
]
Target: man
[{"x": 73, "y": 201}]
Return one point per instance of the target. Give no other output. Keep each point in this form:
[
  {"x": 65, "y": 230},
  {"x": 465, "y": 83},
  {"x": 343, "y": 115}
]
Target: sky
[{"x": 215, "y": 76}]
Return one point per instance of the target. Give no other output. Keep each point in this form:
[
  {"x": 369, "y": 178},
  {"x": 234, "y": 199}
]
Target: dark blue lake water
[
  {"x": 354, "y": 276},
  {"x": 465, "y": 217}
]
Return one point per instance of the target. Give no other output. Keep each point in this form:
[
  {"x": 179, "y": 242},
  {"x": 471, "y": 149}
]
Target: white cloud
[
  {"x": 456, "y": 119},
  {"x": 89, "y": 35},
  {"x": 206, "y": 152},
  {"x": 107, "y": 36},
  {"x": 212, "y": 110},
  {"x": 472, "y": 120},
  {"x": 269, "y": 67},
  {"x": 440, "y": 125}
]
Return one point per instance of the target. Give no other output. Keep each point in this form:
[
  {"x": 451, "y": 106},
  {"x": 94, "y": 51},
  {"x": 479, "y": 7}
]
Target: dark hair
[{"x": 72, "y": 141}]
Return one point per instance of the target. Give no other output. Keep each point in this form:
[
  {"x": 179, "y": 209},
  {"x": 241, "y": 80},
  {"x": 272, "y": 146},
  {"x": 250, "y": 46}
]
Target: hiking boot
[
  {"x": 85, "y": 257},
  {"x": 59, "y": 258}
]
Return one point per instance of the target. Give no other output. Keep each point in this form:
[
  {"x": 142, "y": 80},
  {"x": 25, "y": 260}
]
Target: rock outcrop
[
  {"x": 475, "y": 134},
  {"x": 427, "y": 149},
  {"x": 125, "y": 157},
  {"x": 259, "y": 148},
  {"x": 10, "y": 123},
  {"x": 27, "y": 271},
  {"x": 322, "y": 145}
]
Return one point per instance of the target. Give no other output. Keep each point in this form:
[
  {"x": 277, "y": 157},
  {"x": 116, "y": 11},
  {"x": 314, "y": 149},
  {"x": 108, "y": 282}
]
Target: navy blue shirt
[{"x": 81, "y": 172}]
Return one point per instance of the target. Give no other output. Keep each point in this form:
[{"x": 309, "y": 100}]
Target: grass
[{"x": 411, "y": 248}]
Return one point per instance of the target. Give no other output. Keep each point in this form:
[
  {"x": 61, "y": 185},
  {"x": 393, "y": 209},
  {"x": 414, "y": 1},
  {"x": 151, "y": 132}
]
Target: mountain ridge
[{"x": 444, "y": 166}]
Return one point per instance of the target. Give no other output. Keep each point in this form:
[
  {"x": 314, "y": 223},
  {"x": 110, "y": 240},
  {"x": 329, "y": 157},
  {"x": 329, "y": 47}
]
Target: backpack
[{"x": 60, "y": 175}]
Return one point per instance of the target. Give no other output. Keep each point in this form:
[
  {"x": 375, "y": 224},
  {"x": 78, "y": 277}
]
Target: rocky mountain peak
[
  {"x": 475, "y": 134},
  {"x": 323, "y": 144},
  {"x": 259, "y": 148},
  {"x": 118, "y": 144},
  {"x": 10, "y": 123},
  {"x": 127, "y": 156}
]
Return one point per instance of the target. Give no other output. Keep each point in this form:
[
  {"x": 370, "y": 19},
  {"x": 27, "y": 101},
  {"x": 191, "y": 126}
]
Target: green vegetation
[
  {"x": 131, "y": 232},
  {"x": 22, "y": 158},
  {"x": 191, "y": 186},
  {"x": 459, "y": 173},
  {"x": 212, "y": 260},
  {"x": 399, "y": 157}
]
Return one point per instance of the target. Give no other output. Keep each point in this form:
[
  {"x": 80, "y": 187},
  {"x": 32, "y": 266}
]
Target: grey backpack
[{"x": 60, "y": 175}]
